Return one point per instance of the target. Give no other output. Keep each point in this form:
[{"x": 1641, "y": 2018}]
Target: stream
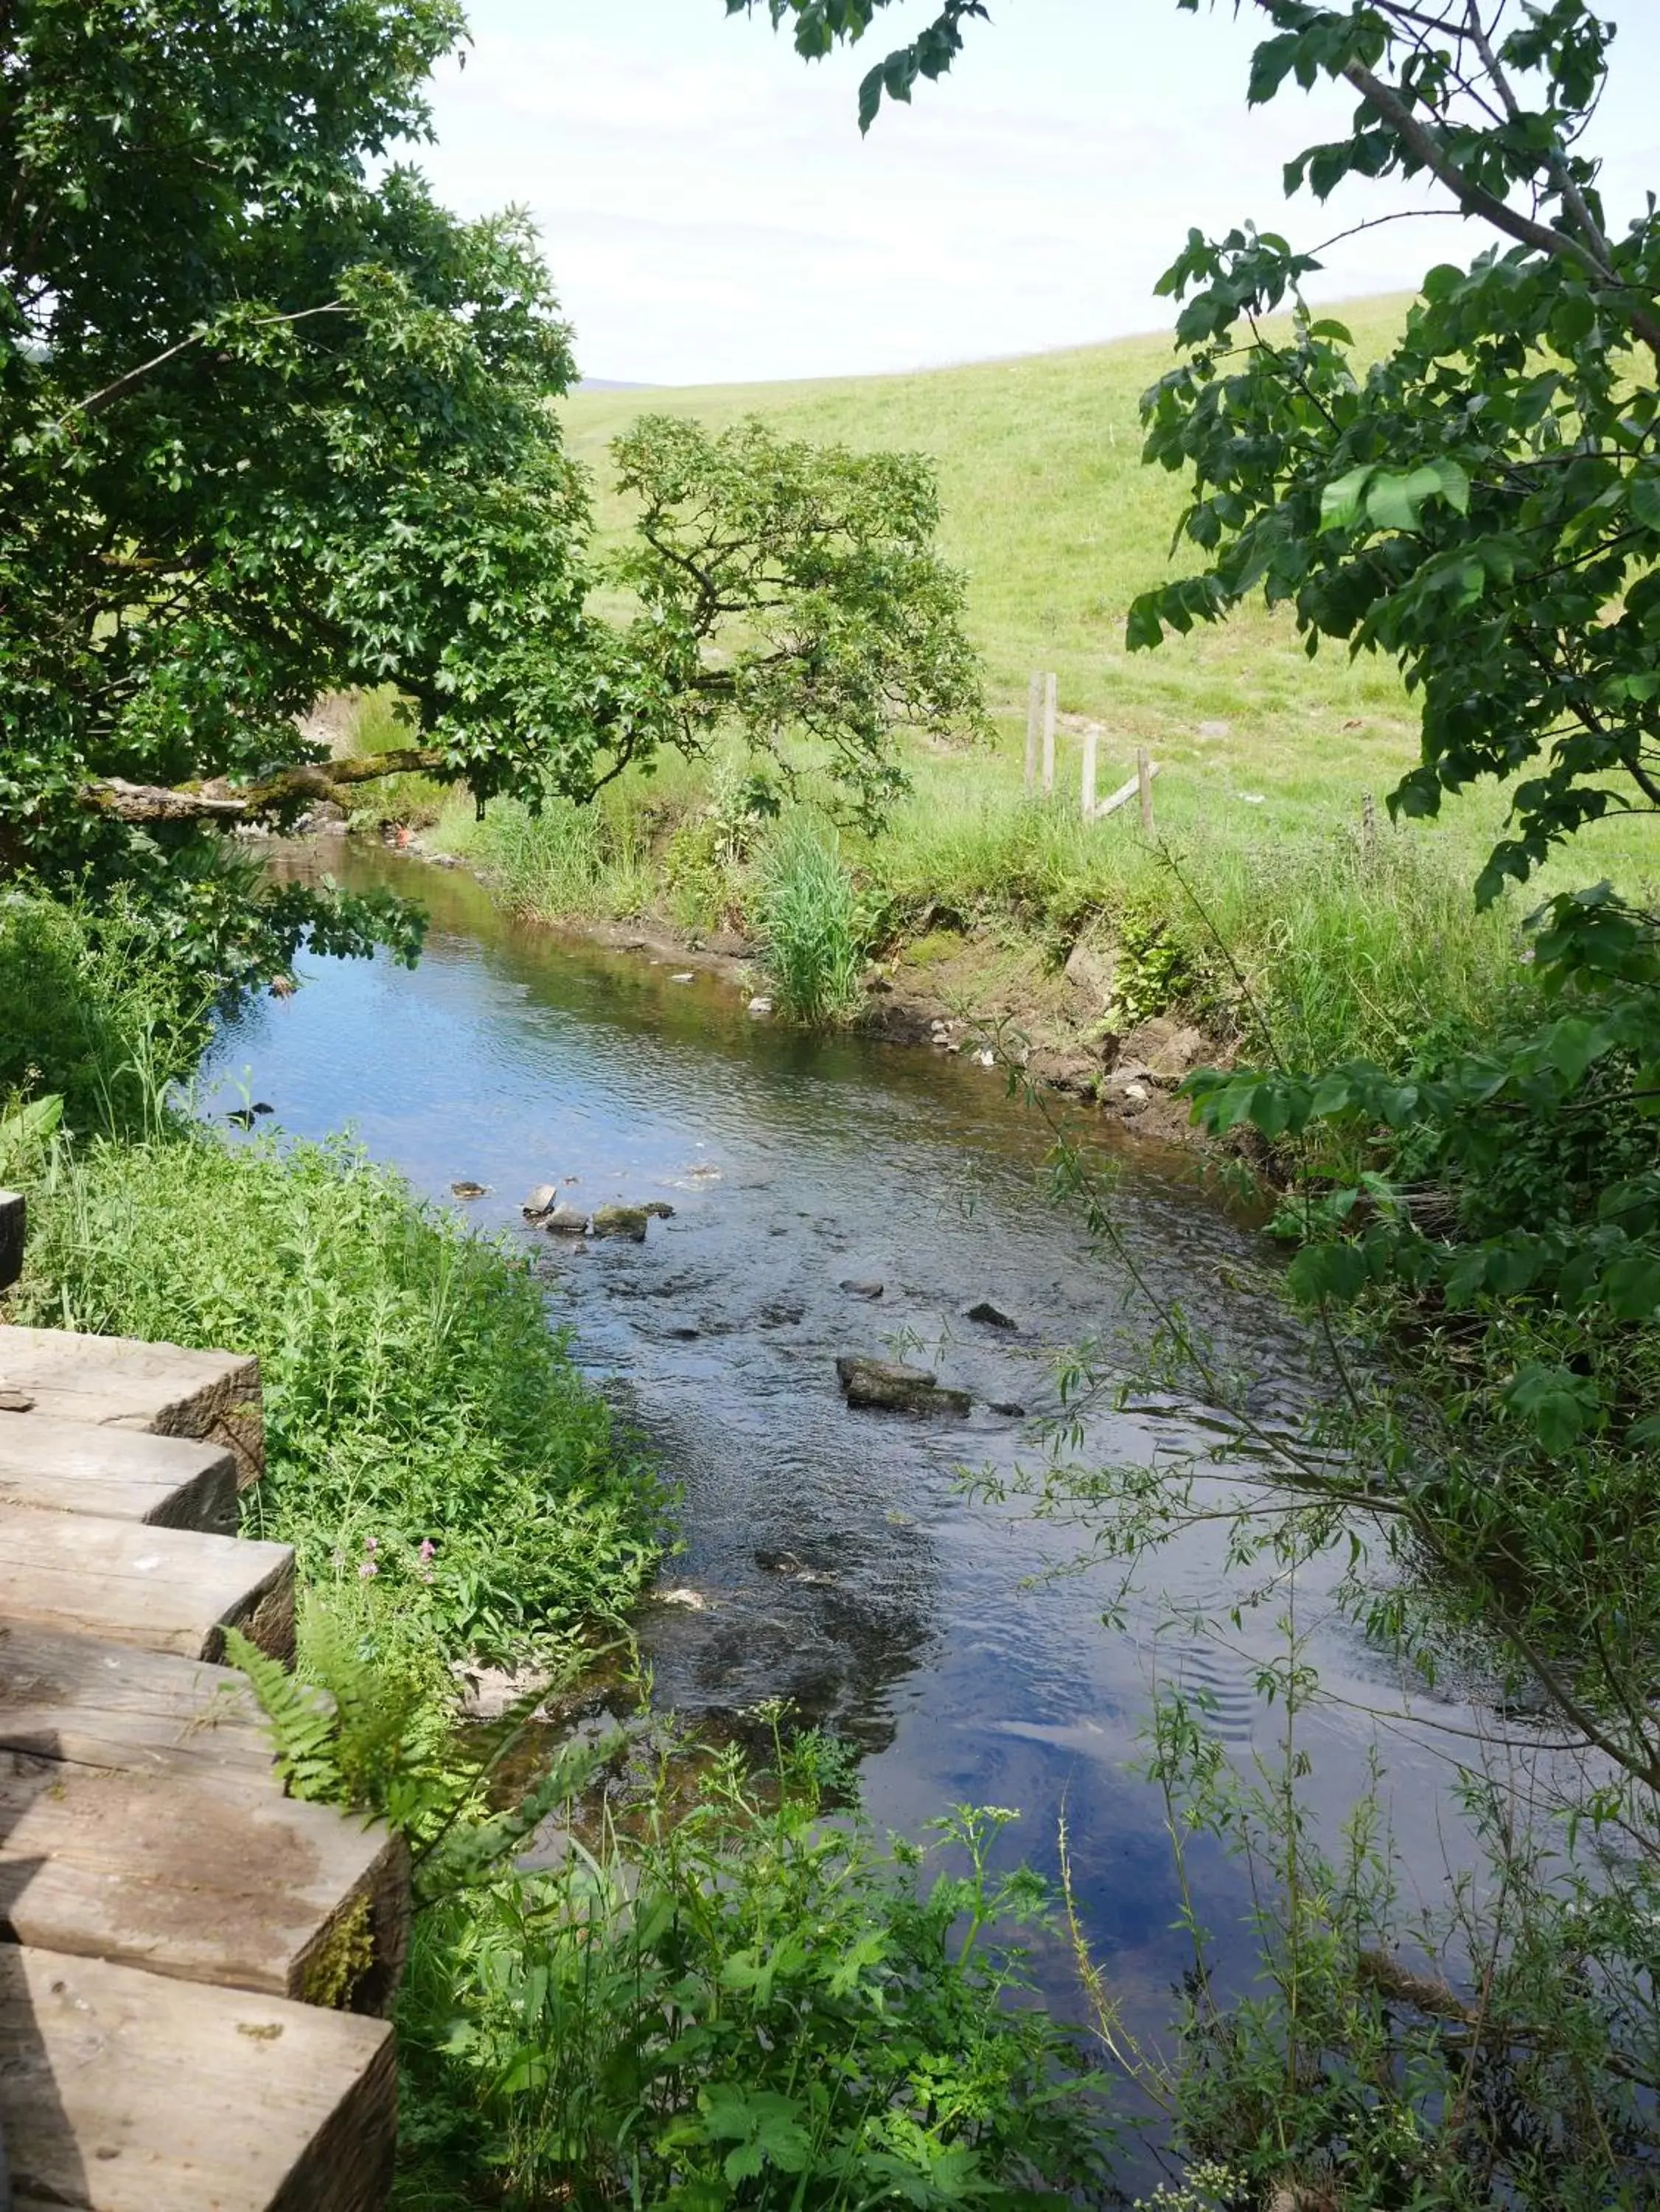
[{"x": 839, "y": 1563}]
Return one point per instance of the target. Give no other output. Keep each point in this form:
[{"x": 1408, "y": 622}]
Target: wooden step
[
  {"x": 249, "y": 1889},
  {"x": 168, "y": 1589},
  {"x": 123, "y": 1474},
  {"x": 123, "y": 2092},
  {"x": 115, "y": 1382},
  {"x": 91, "y": 1703}
]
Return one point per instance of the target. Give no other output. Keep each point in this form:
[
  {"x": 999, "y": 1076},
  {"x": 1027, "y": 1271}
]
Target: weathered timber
[
  {"x": 124, "y": 2091},
  {"x": 14, "y": 1221},
  {"x": 117, "y": 1383},
  {"x": 90, "y": 1703},
  {"x": 168, "y": 1589},
  {"x": 1126, "y": 792},
  {"x": 123, "y": 1474},
  {"x": 255, "y": 1891}
]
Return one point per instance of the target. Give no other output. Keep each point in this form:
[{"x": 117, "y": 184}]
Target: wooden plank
[
  {"x": 174, "y": 1482},
  {"x": 123, "y": 2092},
  {"x": 168, "y": 1589},
  {"x": 90, "y": 1703},
  {"x": 254, "y": 1892},
  {"x": 13, "y": 1223},
  {"x": 1126, "y": 792},
  {"x": 117, "y": 1382},
  {"x": 1049, "y": 713},
  {"x": 1033, "y": 721}
]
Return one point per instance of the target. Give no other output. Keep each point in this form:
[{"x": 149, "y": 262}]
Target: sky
[{"x": 712, "y": 215}]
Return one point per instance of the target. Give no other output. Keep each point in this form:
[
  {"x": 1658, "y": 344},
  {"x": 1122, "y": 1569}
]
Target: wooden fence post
[
  {"x": 1049, "y": 689},
  {"x": 1144, "y": 785},
  {"x": 1033, "y": 717},
  {"x": 1092, "y": 737}
]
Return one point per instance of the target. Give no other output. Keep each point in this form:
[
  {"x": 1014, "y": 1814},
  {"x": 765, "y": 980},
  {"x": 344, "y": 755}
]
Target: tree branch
[
  {"x": 97, "y": 401},
  {"x": 219, "y": 800},
  {"x": 1475, "y": 199}
]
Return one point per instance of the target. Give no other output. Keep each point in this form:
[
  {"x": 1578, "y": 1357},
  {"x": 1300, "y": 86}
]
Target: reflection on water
[{"x": 840, "y": 1564}]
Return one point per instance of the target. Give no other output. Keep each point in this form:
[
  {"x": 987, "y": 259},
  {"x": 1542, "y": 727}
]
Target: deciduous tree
[{"x": 272, "y": 423}]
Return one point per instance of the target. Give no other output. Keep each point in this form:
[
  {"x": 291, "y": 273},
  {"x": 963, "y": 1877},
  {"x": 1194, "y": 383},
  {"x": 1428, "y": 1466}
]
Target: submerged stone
[{"x": 991, "y": 1316}]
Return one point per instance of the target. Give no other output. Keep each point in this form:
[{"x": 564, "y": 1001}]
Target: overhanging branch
[{"x": 315, "y": 782}]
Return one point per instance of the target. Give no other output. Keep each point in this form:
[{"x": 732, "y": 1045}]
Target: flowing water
[{"x": 839, "y": 1563}]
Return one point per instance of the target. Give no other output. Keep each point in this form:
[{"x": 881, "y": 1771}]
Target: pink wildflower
[
  {"x": 367, "y": 1569},
  {"x": 371, "y": 1543},
  {"x": 429, "y": 1549}
]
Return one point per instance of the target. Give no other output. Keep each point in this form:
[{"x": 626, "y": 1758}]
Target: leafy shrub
[
  {"x": 747, "y": 2004},
  {"x": 86, "y": 1013},
  {"x": 432, "y": 1451},
  {"x": 1152, "y": 968},
  {"x": 815, "y": 930}
]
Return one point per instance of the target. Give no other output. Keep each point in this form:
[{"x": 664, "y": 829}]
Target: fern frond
[{"x": 299, "y": 1718}]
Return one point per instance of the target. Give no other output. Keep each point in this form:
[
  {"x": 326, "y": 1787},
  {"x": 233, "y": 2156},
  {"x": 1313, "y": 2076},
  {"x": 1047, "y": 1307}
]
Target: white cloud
[{"x": 712, "y": 212}]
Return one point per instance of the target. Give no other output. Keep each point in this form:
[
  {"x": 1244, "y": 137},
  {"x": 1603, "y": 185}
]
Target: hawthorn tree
[
  {"x": 273, "y": 422},
  {"x": 797, "y": 589}
]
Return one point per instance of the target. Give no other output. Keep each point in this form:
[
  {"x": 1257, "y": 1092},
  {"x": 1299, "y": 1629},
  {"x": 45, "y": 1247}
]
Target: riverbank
[
  {"x": 464, "y": 1499},
  {"x": 1082, "y": 956}
]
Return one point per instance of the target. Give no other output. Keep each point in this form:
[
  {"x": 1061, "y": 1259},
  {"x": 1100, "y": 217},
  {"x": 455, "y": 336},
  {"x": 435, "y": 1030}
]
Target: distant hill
[{"x": 1047, "y": 506}]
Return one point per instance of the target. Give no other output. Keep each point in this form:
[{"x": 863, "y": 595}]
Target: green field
[
  {"x": 1048, "y": 509},
  {"x": 1266, "y": 757}
]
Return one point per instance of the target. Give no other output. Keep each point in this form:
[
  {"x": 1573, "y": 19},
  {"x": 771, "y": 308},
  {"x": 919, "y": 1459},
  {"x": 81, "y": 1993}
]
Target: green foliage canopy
[
  {"x": 797, "y": 587},
  {"x": 273, "y": 422}
]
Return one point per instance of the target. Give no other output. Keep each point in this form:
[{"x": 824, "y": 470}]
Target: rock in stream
[{"x": 888, "y": 1386}]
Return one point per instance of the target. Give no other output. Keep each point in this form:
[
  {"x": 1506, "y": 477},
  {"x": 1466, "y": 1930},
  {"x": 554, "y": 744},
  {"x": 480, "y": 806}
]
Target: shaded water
[{"x": 841, "y": 1566}]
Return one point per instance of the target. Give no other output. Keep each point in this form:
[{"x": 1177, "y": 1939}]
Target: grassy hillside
[
  {"x": 1058, "y": 525},
  {"x": 1285, "y": 910}
]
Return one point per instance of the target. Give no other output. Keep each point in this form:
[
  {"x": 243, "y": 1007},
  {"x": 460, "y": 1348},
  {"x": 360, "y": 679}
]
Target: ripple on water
[{"x": 911, "y": 1622}]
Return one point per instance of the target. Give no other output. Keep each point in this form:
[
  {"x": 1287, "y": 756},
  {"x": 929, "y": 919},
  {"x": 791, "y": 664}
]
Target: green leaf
[
  {"x": 1632, "y": 1287},
  {"x": 1558, "y": 1405},
  {"x": 1643, "y": 497},
  {"x": 1393, "y": 501},
  {"x": 1454, "y": 484},
  {"x": 1340, "y": 500},
  {"x": 1340, "y": 1272}
]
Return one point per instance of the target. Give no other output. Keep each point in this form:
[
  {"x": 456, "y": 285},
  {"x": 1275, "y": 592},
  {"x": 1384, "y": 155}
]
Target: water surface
[{"x": 840, "y": 1565}]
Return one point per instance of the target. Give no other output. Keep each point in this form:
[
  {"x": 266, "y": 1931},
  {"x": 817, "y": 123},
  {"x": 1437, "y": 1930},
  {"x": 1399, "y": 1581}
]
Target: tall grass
[
  {"x": 1328, "y": 942},
  {"x": 89, "y": 1013},
  {"x": 592, "y": 861},
  {"x": 815, "y": 927}
]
